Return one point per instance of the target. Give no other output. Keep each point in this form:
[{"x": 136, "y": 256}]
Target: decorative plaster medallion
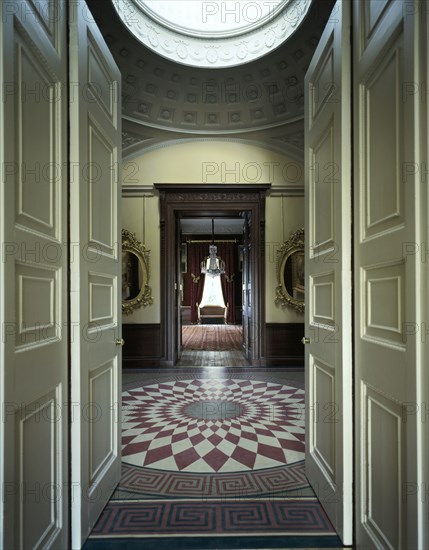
[{"x": 218, "y": 33}]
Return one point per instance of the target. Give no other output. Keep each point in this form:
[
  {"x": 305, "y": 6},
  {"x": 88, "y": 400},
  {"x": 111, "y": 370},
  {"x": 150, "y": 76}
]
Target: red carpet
[{"x": 212, "y": 337}]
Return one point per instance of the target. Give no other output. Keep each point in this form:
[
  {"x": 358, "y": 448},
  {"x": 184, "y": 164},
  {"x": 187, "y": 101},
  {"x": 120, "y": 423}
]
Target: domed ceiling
[
  {"x": 213, "y": 33},
  {"x": 262, "y": 100}
]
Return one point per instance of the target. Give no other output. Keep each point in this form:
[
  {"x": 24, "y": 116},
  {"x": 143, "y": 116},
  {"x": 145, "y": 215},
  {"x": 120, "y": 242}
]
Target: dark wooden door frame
[{"x": 205, "y": 201}]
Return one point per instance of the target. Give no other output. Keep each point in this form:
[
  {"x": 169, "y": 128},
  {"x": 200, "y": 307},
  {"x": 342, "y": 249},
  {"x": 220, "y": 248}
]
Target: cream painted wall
[
  {"x": 213, "y": 162},
  {"x": 284, "y": 215},
  {"x": 140, "y": 215}
]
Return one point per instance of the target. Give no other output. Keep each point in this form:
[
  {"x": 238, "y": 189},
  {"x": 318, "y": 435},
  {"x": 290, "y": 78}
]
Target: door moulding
[{"x": 207, "y": 200}]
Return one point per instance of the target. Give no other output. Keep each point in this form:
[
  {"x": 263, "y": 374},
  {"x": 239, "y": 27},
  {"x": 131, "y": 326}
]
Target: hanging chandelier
[{"x": 212, "y": 265}]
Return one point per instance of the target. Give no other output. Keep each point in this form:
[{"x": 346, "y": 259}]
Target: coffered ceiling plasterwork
[
  {"x": 192, "y": 44},
  {"x": 261, "y": 100}
]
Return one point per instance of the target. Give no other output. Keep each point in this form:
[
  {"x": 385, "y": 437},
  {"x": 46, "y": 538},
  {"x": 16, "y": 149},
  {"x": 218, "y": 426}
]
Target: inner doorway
[
  {"x": 180, "y": 201},
  {"x": 211, "y": 304}
]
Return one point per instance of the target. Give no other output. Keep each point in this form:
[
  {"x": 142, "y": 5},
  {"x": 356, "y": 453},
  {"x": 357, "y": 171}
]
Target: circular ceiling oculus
[{"x": 216, "y": 33}]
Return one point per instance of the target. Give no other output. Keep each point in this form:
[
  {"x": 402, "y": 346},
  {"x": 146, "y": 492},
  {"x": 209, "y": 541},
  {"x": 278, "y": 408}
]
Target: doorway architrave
[{"x": 205, "y": 200}]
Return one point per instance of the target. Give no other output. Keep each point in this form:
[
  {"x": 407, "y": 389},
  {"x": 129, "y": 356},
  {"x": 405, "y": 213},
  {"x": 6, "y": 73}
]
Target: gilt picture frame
[
  {"x": 290, "y": 290},
  {"x": 136, "y": 291}
]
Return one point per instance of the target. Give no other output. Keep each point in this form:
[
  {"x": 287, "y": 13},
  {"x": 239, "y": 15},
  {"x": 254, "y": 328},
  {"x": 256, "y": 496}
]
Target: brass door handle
[
  {"x": 305, "y": 340},
  {"x": 120, "y": 342}
]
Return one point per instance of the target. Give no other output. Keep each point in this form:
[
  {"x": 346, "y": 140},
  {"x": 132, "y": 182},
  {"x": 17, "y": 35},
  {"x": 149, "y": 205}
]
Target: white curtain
[{"x": 212, "y": 292}]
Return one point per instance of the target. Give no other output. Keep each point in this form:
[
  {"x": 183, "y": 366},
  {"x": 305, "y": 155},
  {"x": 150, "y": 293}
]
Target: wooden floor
[{"x": 195, "y": 358}]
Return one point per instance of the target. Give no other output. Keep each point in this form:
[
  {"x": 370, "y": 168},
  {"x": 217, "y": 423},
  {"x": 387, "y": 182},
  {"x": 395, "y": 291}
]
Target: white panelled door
[
  {"x": 390, "y": 251},
  {"x": 95, "y": 156},
  {"x": 33, "y": 297},
  {"x": 328, "y": 357}
]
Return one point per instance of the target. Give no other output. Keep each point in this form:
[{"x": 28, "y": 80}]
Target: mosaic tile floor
[
  {"x": 213, "y": 425},
  {"x": 213, "y": 458}
]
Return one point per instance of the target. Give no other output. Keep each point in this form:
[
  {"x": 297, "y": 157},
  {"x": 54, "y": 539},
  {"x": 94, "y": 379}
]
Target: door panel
[
  {"x": 247, "y": 289},
  {"x": 387, "y": 275},
  {"x": 34, "y": 351},
  {"x": 423, "y": 376},
  {"x": 179, "y": 290},
  {"x": 95, "y": 272},
  {"x": 328, "y": 358}
]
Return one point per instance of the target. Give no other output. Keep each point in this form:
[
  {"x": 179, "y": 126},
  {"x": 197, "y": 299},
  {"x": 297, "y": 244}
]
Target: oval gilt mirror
[
  {"x": 290, "y": 272},
  {"x": 136, "y": 291}
]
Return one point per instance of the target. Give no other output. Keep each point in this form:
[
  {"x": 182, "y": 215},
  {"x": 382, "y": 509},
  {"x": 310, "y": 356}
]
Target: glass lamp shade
[{"x": 212, "y": 265}]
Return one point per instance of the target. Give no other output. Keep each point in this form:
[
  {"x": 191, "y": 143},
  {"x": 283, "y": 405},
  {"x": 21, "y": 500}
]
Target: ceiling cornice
[
  {"x": 148, "y": 146},
  {"x": 217, "y": 49},
  {"x": 163, "y": 97}
]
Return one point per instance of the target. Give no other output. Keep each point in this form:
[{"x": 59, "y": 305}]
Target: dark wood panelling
[
  {"x": 210, "y": 201},
  {"x": 142, "y": 346},
  {"x": 186, "y": 315},
  {"x": 283, "y": 344}
]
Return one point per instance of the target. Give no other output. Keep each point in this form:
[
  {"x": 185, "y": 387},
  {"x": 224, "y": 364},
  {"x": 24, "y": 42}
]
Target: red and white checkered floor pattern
[{"x": 213, "y": 425}]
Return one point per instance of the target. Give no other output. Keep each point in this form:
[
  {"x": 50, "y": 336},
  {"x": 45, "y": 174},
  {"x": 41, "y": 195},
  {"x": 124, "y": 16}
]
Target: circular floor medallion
[{"x": 213, "y": 425}]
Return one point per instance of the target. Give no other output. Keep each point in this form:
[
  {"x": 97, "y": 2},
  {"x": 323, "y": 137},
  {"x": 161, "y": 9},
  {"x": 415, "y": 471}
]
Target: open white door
[
  {"x": 390, "y": 175},
  {"x": 328, "y": 357},
  {"x": 33, "y": 276},
  {"x": 96, "y": 257}
]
